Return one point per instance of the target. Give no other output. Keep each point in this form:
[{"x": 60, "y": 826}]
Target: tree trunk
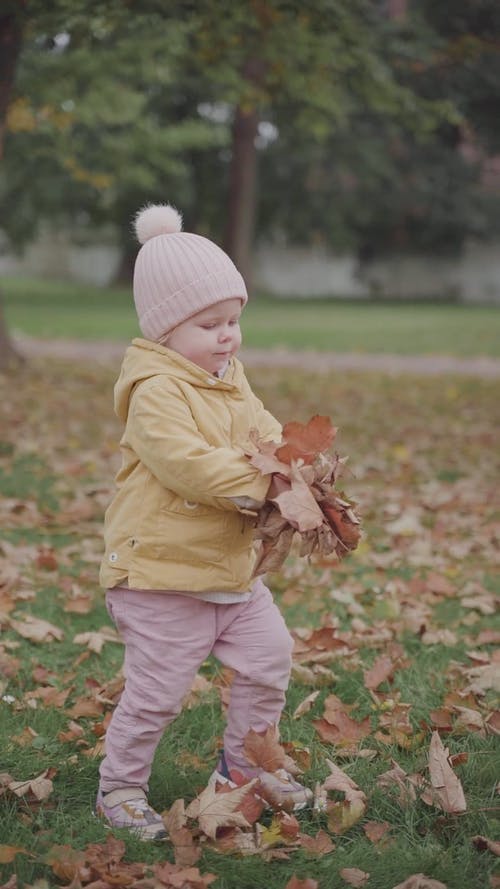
[
  {"x": 242, "y": 193},
  {"x": 242, "y": 200},
  {"x": 10, "y": 47}
]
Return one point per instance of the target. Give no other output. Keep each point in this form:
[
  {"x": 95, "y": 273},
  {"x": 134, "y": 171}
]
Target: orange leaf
[
  {"x": 264, "y": 749},
  {"x": 306, "y": 442},
  {"x": 321, "y": 844},
  {"x": 8, "y": 853}
]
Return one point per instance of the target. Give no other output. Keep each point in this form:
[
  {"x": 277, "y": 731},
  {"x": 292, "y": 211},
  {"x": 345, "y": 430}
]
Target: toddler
[{"x": 179, "y": 559}]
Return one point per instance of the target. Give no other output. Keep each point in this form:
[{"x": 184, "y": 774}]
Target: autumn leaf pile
[
  {"x": 309, "y": 503},
  {"x": 392, "y": 715}
]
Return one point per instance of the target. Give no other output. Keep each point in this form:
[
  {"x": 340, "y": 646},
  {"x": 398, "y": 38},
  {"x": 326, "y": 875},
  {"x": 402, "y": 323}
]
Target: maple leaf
[
  {"x": 447, "y": 792},
  {"x": 264, "y": 749},
  {"x": 214, "y": 810},
  {"x": 306, "y": 441},
  {"x": 297, "y": 504},
  {"x": 319, "y": 845}
]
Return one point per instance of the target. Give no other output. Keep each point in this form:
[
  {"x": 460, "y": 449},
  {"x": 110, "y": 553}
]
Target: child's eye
[
  {"x": 234, "y": 323},
  {"x": 208, "y": 326}
]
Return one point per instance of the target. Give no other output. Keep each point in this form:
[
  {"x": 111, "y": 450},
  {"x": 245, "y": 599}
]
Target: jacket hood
[{"x": 145, "y": 359}]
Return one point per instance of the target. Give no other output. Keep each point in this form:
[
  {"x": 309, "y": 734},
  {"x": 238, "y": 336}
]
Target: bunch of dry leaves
[{"x": 303, "y": 498}]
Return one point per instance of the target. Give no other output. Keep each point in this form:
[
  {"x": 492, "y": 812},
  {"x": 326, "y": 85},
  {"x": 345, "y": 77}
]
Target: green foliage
[{"x": 363, "y": 119}]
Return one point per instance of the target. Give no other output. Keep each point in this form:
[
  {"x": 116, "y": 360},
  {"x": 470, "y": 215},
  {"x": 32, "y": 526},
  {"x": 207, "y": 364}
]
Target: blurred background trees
[{"x": 358, "y": 125}]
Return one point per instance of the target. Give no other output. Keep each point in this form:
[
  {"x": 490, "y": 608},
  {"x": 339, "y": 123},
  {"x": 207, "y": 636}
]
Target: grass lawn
[
  {"x": 419, "y": 591},
  {"x": 57, "y": 309}
]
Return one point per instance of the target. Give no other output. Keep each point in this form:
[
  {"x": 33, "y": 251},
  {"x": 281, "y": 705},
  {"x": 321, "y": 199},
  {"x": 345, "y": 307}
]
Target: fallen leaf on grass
[
  {"x": 175, "y": 876},
  {"x": 305, "y": 705},
  {"x": 382, "y": 669},
  {"x": 295, "y": 883},
  {"x": 406, "y": 784},
  {"x": 65, "y": 861},
  {"x": 447, "y": 792},
  {"x": 319, "y": 845},
  {"x": 420, "y": 881},
  {"x": 36, "y": 630},
  {"x": 354, "y": 876},
  {"x": 483, "y": 843},
  {"x": 95, "y": 640},
  {"x": 343, "y": 815},
  {"x": 264, "y": 750},
  {"x": 214, "y": 810},
  {"x": 377, "y": 831},
  {"x": 34, "y": 789},
  {"x": 8, "y": 853}
]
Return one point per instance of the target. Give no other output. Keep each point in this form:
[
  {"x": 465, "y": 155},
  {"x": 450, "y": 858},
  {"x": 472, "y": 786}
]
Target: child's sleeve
[{"x": 176, "y": 453}]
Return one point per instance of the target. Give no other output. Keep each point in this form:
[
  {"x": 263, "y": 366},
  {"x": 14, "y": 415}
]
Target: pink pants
[{"x": 167, "y": 637}]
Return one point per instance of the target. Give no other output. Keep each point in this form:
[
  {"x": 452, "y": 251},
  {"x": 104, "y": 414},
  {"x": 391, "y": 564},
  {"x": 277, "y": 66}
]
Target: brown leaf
[
  {"x": 306, "y": 442},
  {"x": 38, "y": 788},
  {"x": 354, "y": 876},
  {"x": 186, "y": 850},
  {"x": 214, "y": 810},
  {"x": 319, "y": 845},
  {"x": 343, "y": 815},
  {"x": 420, "y": 881},
  {"x": 483, "y": 843},
  {"x": 382, "y": 669},
  {"x": 263, "y": 749},
  {"x": 95, "y": 640},
  {"x": 305, "y": 705},
  {"x": 8, "y": 853},
  {"x": 176, "y": 876},
  {"x": 65, "y": 861},
  {"x": 36, "y": 629},
  {"x": 298, "y": 506},
  {"x": 295, "y": 883},
  {"x": 376, "y": 831},
  {"x": 447, "y": 789}
]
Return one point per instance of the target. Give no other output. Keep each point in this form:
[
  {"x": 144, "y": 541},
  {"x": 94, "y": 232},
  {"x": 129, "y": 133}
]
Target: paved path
[{"x": 110, "y": 352}]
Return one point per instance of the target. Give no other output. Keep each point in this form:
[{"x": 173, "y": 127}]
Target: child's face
[{"x": 209, "y": 338}]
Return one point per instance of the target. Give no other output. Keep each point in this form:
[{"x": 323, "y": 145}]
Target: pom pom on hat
[
  {"x": 157, "y": 219},
  {"x": 177, "y": 273}
]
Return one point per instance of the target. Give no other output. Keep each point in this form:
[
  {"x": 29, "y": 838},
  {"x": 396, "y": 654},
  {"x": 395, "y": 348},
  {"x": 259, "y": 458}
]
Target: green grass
[
  {"x": 57, "y": 309},
  {"x": 64, "y": 458}
]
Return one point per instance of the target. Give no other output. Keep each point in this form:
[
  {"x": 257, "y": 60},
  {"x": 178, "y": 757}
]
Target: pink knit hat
[{"x": 177, "y": 274}]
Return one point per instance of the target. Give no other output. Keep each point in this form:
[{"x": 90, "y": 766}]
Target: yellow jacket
[{"x": 171, "y": 524}]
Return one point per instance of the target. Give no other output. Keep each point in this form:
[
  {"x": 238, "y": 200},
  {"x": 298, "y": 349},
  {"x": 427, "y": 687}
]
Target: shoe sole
[{"x": 136, "y": 831}]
